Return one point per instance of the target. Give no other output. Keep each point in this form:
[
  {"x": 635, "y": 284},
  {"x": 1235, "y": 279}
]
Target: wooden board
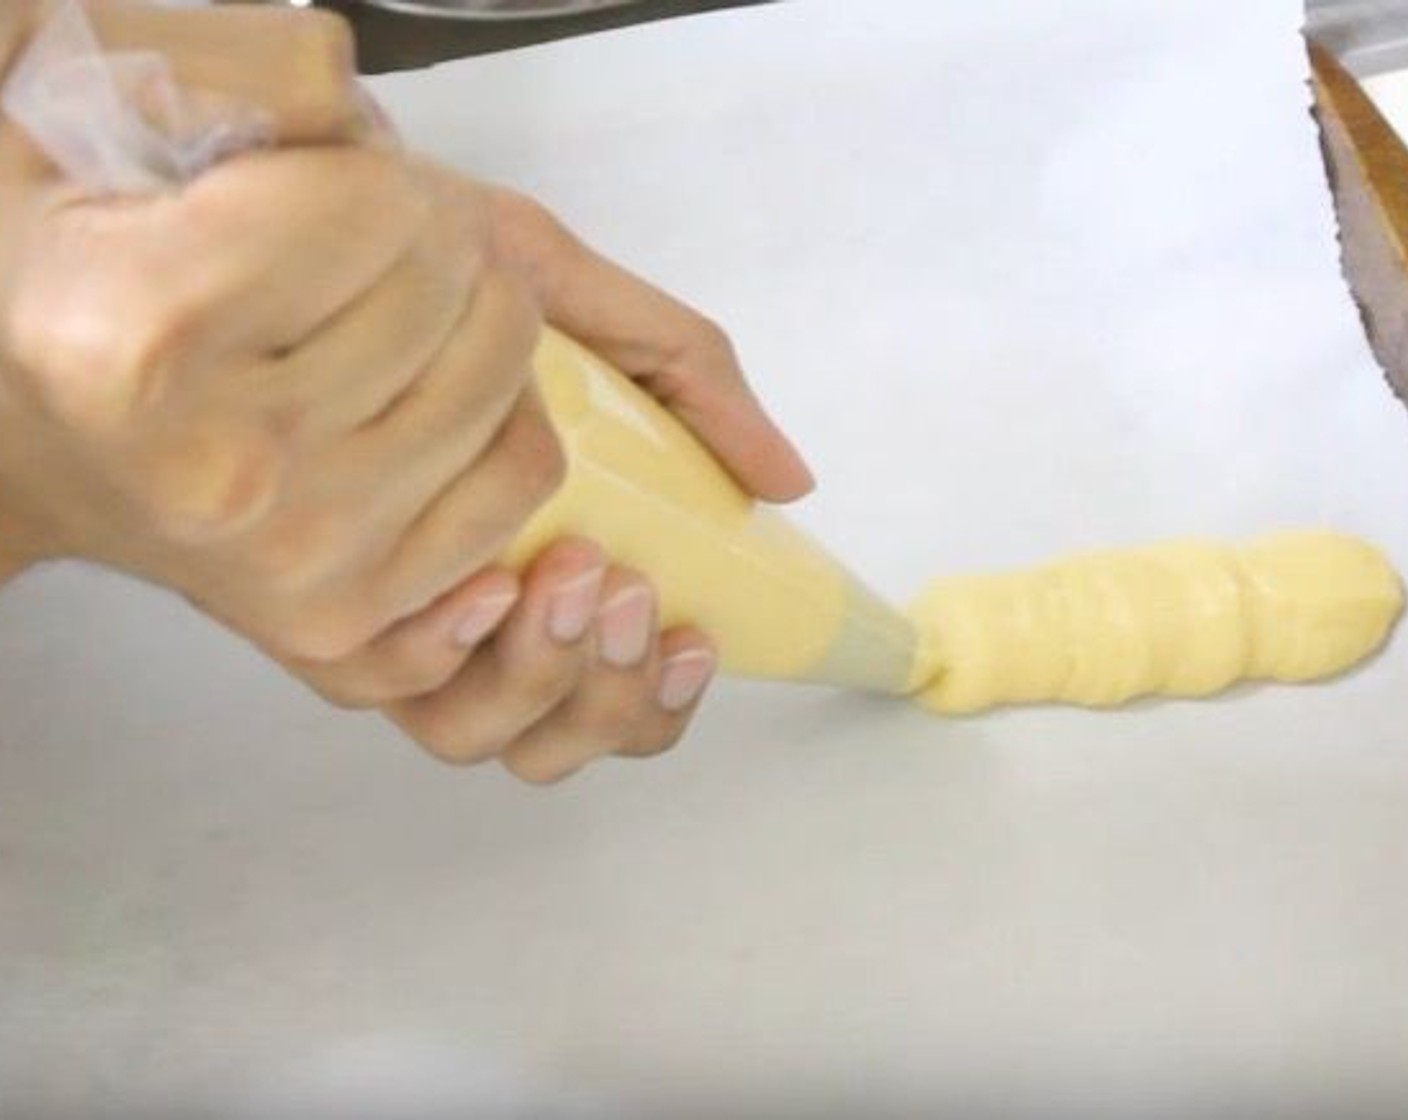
[{"x": 1368, "y": 166}]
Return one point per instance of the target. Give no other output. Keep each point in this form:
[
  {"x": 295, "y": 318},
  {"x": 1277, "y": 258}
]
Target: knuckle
[
  {"x": 297, "y": 551},
  {"x": 518, "y": 209},
  {"x": 95, "y": 361},
  {"x": 658, "y": 740},
  {"x": 327, "y": 635},
  {"x": 613, "y": 718},
  {"x": 208, "y": 488},
  {"x": 535, "y": 770},
  {"x": 412, "y": 672},
  {"x": 353, "y": 694},
  {"x": 440, "y": 731},
  {"x": 292, "y": 422},
  {"x": 458, "y": 753},
  {"x": 543, "y": 684},
  {"x": 527, "y": 234},
  {"x": 713, "y": 341},
  {"x": 362, "y": 682},
  {"x": 522, "y": 222}
]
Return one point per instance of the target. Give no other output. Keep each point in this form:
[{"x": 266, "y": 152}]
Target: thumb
[{"x": 684, "y": 360}]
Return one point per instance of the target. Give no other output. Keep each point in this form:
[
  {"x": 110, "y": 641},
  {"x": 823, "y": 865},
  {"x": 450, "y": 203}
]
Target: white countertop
[{"x": 1023, "y": 277}]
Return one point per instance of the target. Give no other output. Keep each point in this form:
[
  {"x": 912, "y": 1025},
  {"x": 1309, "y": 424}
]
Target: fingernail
[
  {"x": 573, "y": 606},
  {"x": 683, "y": 678},
  {"x": 479, "y": 622},
  {"x": 625, "y": 627}
]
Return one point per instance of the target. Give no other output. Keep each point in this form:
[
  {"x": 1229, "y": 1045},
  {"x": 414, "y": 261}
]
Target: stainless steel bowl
[{"x": 497, "y": 9}]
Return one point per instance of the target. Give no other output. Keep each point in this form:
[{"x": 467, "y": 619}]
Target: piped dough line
[{"x": 1183, "y": 618}]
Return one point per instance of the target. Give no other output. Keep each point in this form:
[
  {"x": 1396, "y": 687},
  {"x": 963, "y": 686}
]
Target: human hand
[
  {"x": 230, "y": 498},
  {"x": 209, "y": 49},
  {"x": 295, "y": 390},
  {"x": 547, "y": 699}
]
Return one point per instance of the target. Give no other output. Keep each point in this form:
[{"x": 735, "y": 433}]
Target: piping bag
[{"x": 776, "y": 604}]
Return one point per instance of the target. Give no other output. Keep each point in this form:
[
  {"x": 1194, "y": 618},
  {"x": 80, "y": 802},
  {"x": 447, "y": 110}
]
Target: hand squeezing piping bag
[{"x": 774, "y": 601}]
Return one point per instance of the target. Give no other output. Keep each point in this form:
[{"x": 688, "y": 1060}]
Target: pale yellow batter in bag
[{"x": 1185, "y": 618}]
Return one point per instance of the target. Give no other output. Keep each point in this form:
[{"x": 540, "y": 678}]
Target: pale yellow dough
[
  {"x": 644, "y": 487},
  {"x": 1184, "y": 618}
]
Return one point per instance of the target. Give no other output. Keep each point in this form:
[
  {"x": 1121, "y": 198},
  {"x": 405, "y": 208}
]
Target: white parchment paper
[{"x": 1022, "y": 277}]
